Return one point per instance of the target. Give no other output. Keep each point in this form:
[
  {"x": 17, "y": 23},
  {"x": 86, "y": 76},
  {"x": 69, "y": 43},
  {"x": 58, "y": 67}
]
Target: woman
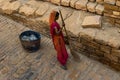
[{"x": 58, "y": 39}]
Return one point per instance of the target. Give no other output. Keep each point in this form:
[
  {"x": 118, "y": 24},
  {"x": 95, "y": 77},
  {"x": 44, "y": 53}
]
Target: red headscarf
[{"x": 52, "y": 17}]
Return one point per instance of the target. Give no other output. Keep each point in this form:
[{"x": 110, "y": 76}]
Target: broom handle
[
  {"x": 68, "y": 38},
  {"x": 64, "y": 25}
]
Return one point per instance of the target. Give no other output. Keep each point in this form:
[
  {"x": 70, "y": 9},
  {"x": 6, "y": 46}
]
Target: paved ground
[{"x": 17, "y": 64}]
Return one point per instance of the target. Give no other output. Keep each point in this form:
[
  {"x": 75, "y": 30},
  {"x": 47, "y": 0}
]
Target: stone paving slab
[{"x": 17, "y": 64}]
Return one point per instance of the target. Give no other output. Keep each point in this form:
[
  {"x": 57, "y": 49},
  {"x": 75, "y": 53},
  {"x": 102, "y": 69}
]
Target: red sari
[{"x": 59, "y": 44}]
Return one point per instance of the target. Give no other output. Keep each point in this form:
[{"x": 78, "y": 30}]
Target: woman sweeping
[{"x": 58, "y": 39}]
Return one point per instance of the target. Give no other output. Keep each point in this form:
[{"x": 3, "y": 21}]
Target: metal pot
[{"x": 30, "y": 40}]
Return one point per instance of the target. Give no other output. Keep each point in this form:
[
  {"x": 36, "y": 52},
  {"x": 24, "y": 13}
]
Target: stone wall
[
  {"x": 99, "y": 51},
  {"x": 95, "y": 6},
  {"x": 112, "y": 9},
  {"x": 109, "y": 8}
]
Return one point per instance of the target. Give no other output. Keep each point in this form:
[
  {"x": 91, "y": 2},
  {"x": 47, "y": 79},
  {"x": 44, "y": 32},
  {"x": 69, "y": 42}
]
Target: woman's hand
[{"x": 57, "y": 31}]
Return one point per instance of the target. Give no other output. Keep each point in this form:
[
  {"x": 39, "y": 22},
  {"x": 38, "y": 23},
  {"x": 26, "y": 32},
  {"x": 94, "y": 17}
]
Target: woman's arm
[{"x": 57, "y": 31}]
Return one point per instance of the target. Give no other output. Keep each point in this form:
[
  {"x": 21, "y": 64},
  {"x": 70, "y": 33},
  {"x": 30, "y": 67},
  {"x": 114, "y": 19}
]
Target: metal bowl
[{"x": 30, "y": 40}]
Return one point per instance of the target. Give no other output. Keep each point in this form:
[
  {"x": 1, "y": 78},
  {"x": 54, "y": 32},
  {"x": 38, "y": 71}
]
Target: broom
[{"x": 75, "y": 55}]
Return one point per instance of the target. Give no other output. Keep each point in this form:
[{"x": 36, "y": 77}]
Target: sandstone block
[
  {"x": 81, "y": 4},
  {"x": 99, "y": 9},
  {"x": 114, "y": 42},
  {"x": 91, "y": 6},
  {"x": 110, "y": 1},
  {"x": 92, "y": 21},
  {"x": 106, "y": 49},
  {"x": 108, "y": 12},
  {"x": 99, "y": 53},
  {"x": 90, "y": 43},
  {"x": 2, "y": 2},
  {"x": 65, "y": 2},
  {"x": 118, "y": 3},
  {"x": 115, "y": 65},
  {"x": 99, "y": 38},
  {"x": 56, "y": 1},
  {"x": 41, "y": 10},
  {"x": 114, "y": 58},
  {"x": 110, "y": 20},
  {"x": 94, "y": 45},
  {"x": 116, "y": 13},
  {"x": 111, "y": 57},
  {"x": 27, "y": 10},
  {"x": 111, "y": 7},
  {"x": 111, "y": 15},
  {"x": 115, "y": 52},
  {"x": 9, "y": 8},
  {"x": 72, "y": 3}
]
